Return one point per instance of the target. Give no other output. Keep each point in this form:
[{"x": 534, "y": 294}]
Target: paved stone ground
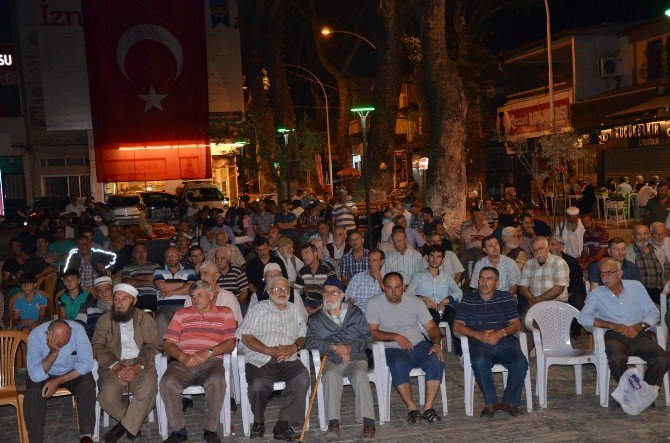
[{"x": 569, "y": 417}]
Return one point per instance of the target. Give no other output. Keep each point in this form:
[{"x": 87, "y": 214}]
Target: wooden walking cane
[{"x": 311, "y": 400}]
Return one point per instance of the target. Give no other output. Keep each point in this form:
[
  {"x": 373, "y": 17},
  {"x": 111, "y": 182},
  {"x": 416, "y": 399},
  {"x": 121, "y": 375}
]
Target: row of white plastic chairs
[{"x": 550, "y": 325}]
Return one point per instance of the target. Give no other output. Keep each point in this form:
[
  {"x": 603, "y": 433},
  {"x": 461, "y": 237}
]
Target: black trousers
[
  {"x": 448, "y": 315},
  {"x": 618, "y": 348},
  {"x": 261, "y": 381},
  {"x": 34, "y": 405}
]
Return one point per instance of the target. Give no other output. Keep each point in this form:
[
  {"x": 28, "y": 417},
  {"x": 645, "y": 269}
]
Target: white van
[{"x": 202, "y": 193}]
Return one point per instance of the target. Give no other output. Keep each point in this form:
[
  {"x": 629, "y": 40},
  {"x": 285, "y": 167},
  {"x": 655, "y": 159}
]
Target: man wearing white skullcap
[
  {"x": 124, "y": 344},
  {"x": 572, "y": 231},
  {"x": 103, "y": 293}
]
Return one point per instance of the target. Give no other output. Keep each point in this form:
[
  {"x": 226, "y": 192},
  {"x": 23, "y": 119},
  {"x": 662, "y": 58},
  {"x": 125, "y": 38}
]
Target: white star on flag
[{"x": 153, "y": 100}]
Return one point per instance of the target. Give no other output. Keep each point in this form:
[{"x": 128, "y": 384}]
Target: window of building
[
  {"x": 70, "y": 161},
  {"x": 79, "y": 185},
  {"x": 655, "y": 59},
  {"x": 530, "y": 73}
]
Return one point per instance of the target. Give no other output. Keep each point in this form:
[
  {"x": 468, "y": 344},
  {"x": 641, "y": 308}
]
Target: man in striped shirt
[
  {"x": 344, "y": 212},
  {"x": 196, "y": 340},
  {"x": 489, "y": 319},
  {"x": 402, "y": 259},
  {"x": 311, "y": 277},
  {"x": 233, "y": 278},
  {"x": 273, "y": 332}
]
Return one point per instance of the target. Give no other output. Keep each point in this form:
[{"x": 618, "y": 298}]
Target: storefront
[{"x": 635, "y": 149}]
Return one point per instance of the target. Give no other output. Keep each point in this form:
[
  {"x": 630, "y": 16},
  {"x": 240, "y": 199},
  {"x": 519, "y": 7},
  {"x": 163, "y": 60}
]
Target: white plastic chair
[
  {"x": 375, "y": 375},
  {"x": 245, "y": 405},
  {"x": 639, "y": 363},
  {"x": 99, "y": 410},
  {"x": 469, "y": 375},
  {"x": 553, "y": 346},
  {"x": 161, "y": 367},
  {"x": 380, "y": 355},
  {"x": 447, "y": 335}
]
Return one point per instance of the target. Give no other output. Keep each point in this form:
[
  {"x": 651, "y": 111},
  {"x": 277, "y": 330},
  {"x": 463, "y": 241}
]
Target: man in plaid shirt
[
  {"x": 356, "y": 260},
  {"x": 544, "y": 277}
]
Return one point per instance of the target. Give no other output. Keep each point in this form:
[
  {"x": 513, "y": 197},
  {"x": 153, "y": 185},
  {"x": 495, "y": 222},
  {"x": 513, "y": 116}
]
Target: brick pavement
[{"x": 569, "y": 417}]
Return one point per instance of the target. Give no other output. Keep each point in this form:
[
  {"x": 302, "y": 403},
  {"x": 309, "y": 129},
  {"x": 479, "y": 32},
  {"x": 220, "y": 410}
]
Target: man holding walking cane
[
  {"x": 273, "y": 333},
  {"x": 341, "y": 331}
]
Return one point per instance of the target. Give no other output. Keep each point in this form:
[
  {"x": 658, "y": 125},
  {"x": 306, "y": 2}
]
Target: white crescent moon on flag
[{"x": 148, "y": 32}]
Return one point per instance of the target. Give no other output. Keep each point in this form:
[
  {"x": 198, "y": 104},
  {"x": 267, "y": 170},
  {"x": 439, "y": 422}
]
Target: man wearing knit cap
[
  {"x": 572, "y": 230},
  {"x": 341, "y": 331},
  {"x": 103, "y": 292},
  {"x": 124, "y": 344}
]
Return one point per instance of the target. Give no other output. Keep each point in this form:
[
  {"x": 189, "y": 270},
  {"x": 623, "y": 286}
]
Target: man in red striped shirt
[{"x": 195, "y": 341}]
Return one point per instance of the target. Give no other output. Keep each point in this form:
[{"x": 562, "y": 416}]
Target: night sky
[{"x": 511, "y": 29}]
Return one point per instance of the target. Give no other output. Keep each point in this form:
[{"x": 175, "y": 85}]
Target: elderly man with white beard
[
  {"x": 125, "y": 343},
  {"x": 572, "y": 230},
  {"x": 341, "y": 331},
  {"x": 273, "y": 332}
]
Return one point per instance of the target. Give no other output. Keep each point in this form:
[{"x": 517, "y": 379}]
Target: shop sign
[{"x": 637, "y": 135}]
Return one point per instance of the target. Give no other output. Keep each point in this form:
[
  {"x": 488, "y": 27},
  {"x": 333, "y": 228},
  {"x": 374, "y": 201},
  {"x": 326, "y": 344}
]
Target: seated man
[
  {"x": 173, "y": 283},
  {"x": 438, "y": 291},
  {"x": 625, "y": 310},
  {"x": 616, "y": 249},
  {"x": 195, "y": 341},
  {"x": 140, "y": 274},
  {"x": 509, "y": 273},
  {"x": 210, "y": 273},
  {"x": 273, "y": 270},
  {"x": 365, "y": 285},
  {"x": 232, "y": 278},
  {"x": 395, "y": 319},
  {"x": 272, "y": 333},
  {"x": 103, "y": 293},
  {"x": 59, "y": 355},
  {"x": 311, "y": 277},
  {"x": 77, "y": 303},
  {"x": 544, "y": 277},
  {"x": 124, "y": 345},
  {"x": 342, "y": 332},
  {"x": 489, "y": 318}
]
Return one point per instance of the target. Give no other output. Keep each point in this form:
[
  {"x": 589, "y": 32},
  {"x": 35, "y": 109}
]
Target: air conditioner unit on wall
[{"x": 610, "y": 67}]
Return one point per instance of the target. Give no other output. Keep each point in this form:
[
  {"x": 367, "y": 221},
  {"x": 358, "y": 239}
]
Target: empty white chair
[
  {"x": 552, "y": 343},
  {"x": 161, "y": 367},
  {"x": 639, "y": 363},
  {"x": 98, "y": 409},
  {"x": 469, "y": 375},
  {"x": 379, "y": 354},
  {"x": 375, "y": 375},
  {"x": 447, "y": 335},
  {"x": 245, "y": 406}
]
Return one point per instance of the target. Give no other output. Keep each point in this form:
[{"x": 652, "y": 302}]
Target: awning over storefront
[{"x": 648, "y": 106}]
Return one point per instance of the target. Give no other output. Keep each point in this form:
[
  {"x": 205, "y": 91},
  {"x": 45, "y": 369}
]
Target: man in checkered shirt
[
  {"x": 356, "y": 260},
  {"x": 544, "y": 277}
]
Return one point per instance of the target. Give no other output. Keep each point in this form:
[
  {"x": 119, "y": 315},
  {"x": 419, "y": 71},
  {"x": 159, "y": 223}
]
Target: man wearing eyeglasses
[
  {"x": 273, "y": 332},
  {"x": 625, "y": 310},
  {"x": 341, "y": 331}
]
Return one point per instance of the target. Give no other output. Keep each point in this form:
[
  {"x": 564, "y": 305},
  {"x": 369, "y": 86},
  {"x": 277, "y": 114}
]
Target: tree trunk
[
  {"x": 342, "y": 142},
  {"x": 475, "y": 141},
  {"x": 388, "y": 81},
  {"x": 446, "y": 180}
]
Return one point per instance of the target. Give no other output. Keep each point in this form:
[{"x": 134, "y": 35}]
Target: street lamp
[
  {"x": 285, "y": 132},
  {"x": 551, "y": 68},
  {"x": 327, "y": 32},
  {"x": 667, "y": 12},
  {"x": 325, "y": 96},
  {"x": 363, "y": 113}
]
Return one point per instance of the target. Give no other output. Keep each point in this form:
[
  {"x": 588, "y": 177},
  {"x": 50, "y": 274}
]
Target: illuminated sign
[
  {"x": 637, "y": 135},
  {"x": 6, "y": 59}
]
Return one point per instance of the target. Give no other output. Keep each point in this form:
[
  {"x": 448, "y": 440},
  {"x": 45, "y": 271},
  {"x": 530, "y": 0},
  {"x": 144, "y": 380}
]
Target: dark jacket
[{"x": 323, "y": 332}]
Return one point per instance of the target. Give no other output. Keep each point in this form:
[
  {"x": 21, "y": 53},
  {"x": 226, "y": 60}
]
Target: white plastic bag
[{"x": 634, "y": 395}]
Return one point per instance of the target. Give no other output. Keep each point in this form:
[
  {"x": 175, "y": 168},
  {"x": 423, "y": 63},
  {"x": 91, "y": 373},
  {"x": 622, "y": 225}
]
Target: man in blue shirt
[
  {"x": 489, "y": 318},
  {"x": 59, "y": 355},
  {"x": 625, "y": 310},
  {"x": 616, "y": 249}
]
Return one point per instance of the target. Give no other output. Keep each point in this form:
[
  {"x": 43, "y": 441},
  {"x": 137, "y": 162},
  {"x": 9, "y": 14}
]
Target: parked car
[
  {"x": 129, "y": 209},
  {"x": 202, "y": 193},
  {"x": 160, "y": 205}
]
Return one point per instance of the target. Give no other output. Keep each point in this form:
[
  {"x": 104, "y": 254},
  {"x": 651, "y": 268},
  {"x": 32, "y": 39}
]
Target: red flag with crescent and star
[{"x": 147, "y": 72}]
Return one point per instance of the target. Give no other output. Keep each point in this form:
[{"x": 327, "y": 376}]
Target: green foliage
[
  {"x": 561, "y": 149},
  {"x": 308, "y": 143}
]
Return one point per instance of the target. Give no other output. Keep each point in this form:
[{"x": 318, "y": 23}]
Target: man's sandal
[
  {"x": 414, "y": 417},
  {"x": 430, "y": 416}
]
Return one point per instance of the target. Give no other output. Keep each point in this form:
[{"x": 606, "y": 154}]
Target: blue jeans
[
  {"x": 507, "y": 353},
  {"x": 401, "y": 362}
]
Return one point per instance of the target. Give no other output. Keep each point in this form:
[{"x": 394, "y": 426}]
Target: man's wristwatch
[
  {"x": 297, "y": 345},
  {"x": 211, "y": 351},
  {"x": 644, "y": 325}
]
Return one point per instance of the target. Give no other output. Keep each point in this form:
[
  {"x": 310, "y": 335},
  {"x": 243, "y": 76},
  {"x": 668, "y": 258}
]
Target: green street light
[
  {"x": 285, "y": 132},
  {"x": 667, "y": 12},
  {"x": 363, "y": 113}
]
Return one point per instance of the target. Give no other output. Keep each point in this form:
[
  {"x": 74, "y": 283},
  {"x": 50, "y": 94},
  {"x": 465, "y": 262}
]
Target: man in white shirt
[
  {"x": 125, "y": 343},
  {"x": 75, "y": 206},
  {"x": 659, "y": 237},
  {"x": 273, "y": 332},
  {"x": 572, "y": 231},
  {"x": 291, "y": 262}
]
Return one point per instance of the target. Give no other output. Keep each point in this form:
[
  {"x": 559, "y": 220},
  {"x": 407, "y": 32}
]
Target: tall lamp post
[
  {"x": 325, "y": 96},
  {"x": 363, "y": 113},
  {"x": 285, "y": 132},
  {"x": 552, "y": 112},
  {"x": 327, "y": 32}
]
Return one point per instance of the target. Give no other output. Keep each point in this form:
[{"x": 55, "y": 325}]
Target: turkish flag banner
[{"x": 147, "y": 71}]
